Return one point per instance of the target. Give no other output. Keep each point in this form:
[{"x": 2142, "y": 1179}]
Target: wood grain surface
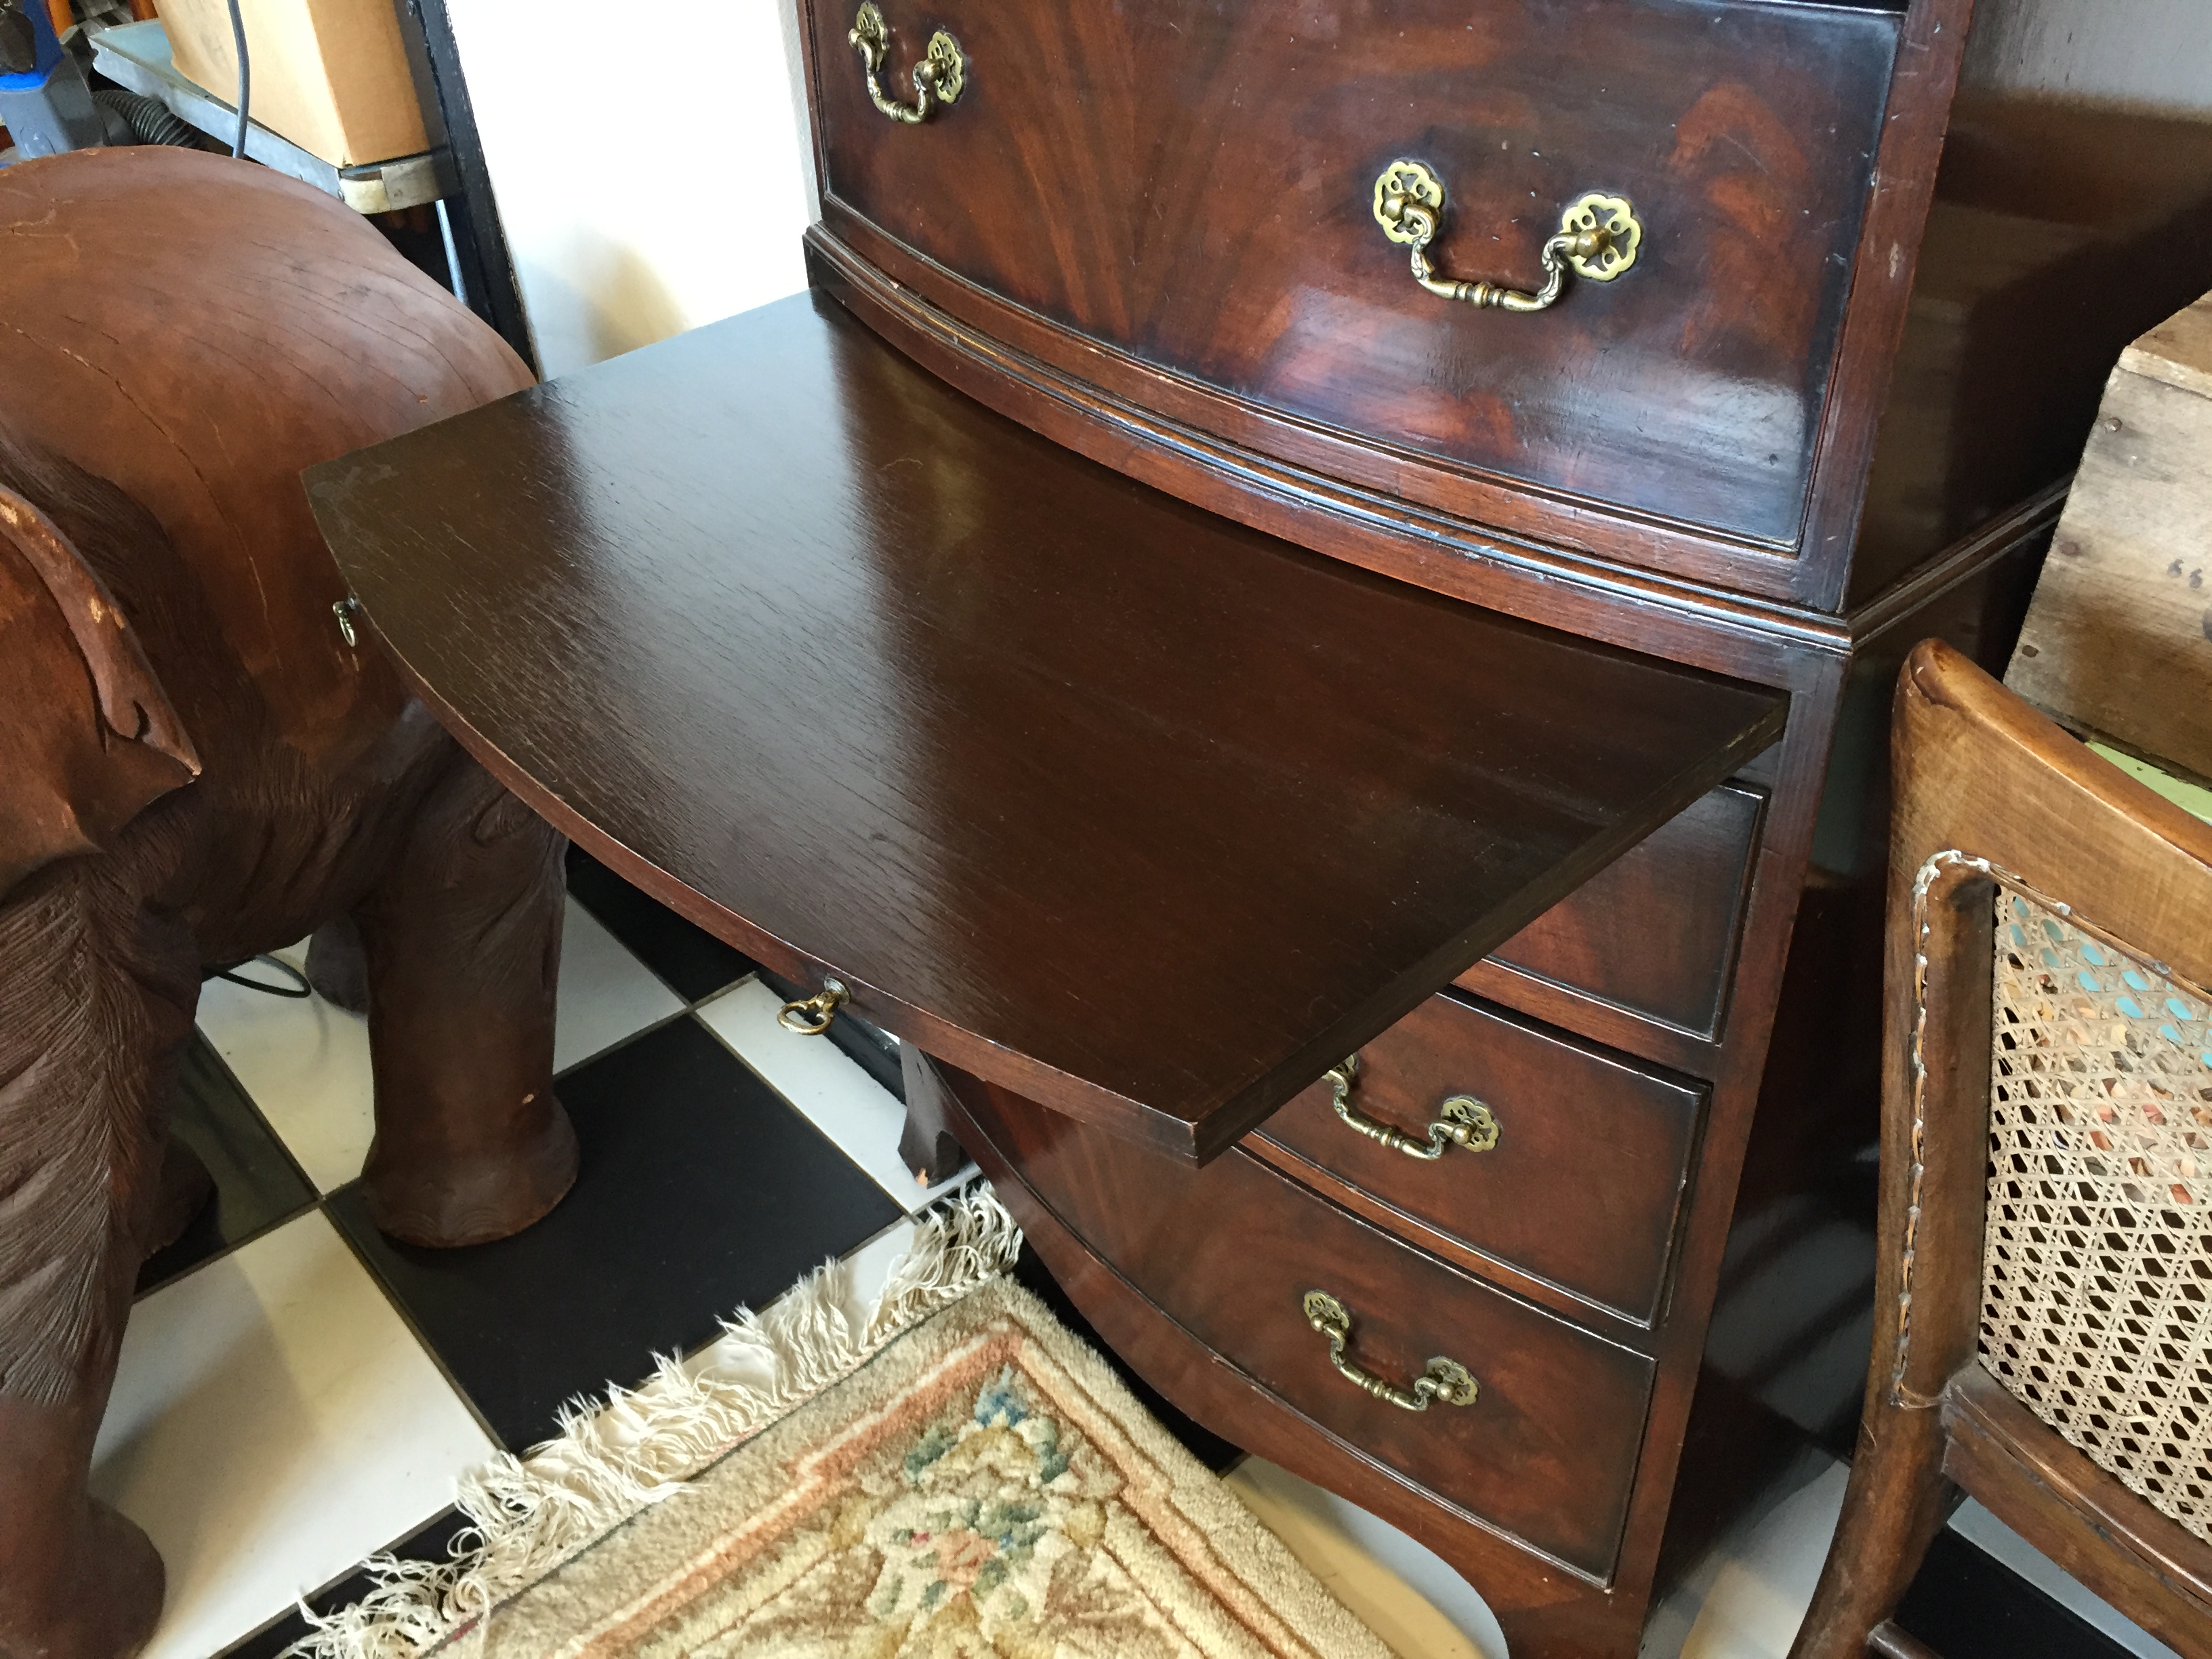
[
  {"x": 1145, "y": 814},
  {"x": 1585, "y": 1186},
  {"x": 2059, "y": 234},
  {"x": 2118, "y": 640},
  {"x": 1546, "y": 1453},
  {"x": 1192, "y": 183},
  {"x": 1680, "y": 894}
]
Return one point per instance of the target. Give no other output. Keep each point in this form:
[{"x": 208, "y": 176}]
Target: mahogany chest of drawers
[{"x": 1307, "y": 607}]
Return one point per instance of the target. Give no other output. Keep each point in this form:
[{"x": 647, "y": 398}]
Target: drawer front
[
  {"x": 1546, "y": 1452},
  {"x": 1585, "y": 1181},
  {"x": 1654, "y": 932},
  {"x": 1195, "y": 183}
]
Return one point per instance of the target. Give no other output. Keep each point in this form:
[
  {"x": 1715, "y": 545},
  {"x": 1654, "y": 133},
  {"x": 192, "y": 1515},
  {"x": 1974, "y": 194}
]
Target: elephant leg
[
  {"x": 181, "y": 1192},
  {"x": 463, "y": 938},
  {"x": 96, "y": 1000},
  {"x": 337, "y": 965}
]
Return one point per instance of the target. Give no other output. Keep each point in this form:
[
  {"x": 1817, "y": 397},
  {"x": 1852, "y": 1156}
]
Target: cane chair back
[
  {"x": 2097, "y": 1247},
  {"x": 2043, "y": 1336}
]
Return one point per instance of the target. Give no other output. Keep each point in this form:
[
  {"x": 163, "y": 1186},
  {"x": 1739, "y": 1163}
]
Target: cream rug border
[
  {"x": 526, "y": 1515},
  {"x": 1176, "y": 1529}
]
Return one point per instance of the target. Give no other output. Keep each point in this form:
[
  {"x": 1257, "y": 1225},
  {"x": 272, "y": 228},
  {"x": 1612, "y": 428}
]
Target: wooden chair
[{"x": 2043, "y": 1336}]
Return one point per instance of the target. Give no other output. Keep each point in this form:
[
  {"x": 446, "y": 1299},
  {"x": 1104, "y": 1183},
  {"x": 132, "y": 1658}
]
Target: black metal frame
[{"x": 487, "y": 270}]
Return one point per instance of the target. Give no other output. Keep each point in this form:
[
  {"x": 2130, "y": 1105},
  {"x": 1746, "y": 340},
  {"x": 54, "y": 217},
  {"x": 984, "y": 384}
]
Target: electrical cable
[
  {"x": 245, "y": 77},
  {"x": 299, "y": 990}
]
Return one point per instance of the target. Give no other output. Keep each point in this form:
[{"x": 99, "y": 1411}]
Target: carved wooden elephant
[{"x": 197, "y": 765}]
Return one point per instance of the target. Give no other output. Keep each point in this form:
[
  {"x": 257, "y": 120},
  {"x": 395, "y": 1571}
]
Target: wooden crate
[{"x": 2117, "y": 642}]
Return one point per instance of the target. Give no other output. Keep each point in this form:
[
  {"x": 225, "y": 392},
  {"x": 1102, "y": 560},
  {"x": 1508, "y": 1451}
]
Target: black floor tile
[
  {"x": 255, "y": 1182},
  {"x": 699, "y": 1190},
  {"x": 1966, "y": 1604},
  {"x": 432, "y": 1541},
  {"x": 695, "y": 964},
  {"x": 1210, "y": 1448}
]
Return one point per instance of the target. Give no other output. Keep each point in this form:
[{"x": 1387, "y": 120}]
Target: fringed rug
[{"x": 967, "y": 1482}]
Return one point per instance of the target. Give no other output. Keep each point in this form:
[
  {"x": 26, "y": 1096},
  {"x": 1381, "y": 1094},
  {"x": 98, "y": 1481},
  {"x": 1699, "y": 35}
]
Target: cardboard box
[{"x": 331, "y": 76}]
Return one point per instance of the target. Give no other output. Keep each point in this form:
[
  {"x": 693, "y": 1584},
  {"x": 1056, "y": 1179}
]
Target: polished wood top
[{"x": 1142, "y": 813}]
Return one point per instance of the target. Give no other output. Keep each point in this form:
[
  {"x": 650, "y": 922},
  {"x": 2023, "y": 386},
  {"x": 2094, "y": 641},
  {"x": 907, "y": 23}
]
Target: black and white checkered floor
[{"x": 296, "y": 1392}]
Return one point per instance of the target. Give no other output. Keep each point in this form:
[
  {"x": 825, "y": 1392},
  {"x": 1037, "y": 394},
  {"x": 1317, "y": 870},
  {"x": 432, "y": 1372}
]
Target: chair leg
[
  {"x": 926, "y": 1143},
  {"x": 1890, "y": 1641},
  {"x": 1897, "y": 1499}
]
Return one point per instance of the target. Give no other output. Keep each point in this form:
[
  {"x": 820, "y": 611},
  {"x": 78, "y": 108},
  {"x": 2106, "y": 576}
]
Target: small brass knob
[{"x": 812, "y": 1016}]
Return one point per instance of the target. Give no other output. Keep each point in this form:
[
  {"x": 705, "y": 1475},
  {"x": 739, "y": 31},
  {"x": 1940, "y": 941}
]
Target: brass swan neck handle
[
  {"x": 1598, "y": 239},
  {"x": 1462, "y": 1120},
  {"x": 941, "y": 75},
  {"x": 1444, "y": 1379}
]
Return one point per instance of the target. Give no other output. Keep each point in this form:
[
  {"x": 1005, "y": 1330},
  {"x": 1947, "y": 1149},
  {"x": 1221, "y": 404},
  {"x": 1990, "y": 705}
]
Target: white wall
[
  {"x": 649, "y": 178},
  {"x": 2156, "y": 53}
]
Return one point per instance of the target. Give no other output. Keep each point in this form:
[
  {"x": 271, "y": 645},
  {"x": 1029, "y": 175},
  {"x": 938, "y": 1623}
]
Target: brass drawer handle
[
  {"x": 941, "y": 74},
  {"x": 811, "y": 1016},
  {"x": 1445, "y": 1379},
  {"x": 1598, "y": 236},
  {"x": 1462, "y": 1120}
]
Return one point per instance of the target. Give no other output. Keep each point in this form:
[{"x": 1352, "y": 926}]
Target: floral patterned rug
[{"x": 983, "y": 1486}]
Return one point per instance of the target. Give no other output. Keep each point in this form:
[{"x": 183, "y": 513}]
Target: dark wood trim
[
  {"x": 1384, "y": 532},
  {"x": 1960, "y": 563},
  {"x": 1782, "y": 858},
  {"x": 1893, "y": 1641},
  {"x": 1112, "y": 380},
  {"x": 2080, "y": 1516},
  {"x": 1928, "y": 51},
  {"x": 472, "y": 209}
]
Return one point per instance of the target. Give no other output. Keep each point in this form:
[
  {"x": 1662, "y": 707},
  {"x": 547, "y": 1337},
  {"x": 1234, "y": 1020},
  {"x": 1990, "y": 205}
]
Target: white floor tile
[
  {"x": 1403, "y": 1590},
  {"x": 606, "y": 994},
  {"x": 305, "y": 1063},
  {"x": 273, "y": 1422},
  {"x": 1746, "y": 1598},
  {"x": 843, "y": 1101}
]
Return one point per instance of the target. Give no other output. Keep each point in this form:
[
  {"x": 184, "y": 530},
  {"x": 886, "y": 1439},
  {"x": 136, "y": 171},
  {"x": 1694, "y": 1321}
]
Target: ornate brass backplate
[
  {"x": 1599, "y": 237},
  {"x": 941, "y": 75},
  {"x": 1606, "y": 236},
  {"x": 1462, "y": 1120},
  {"x": 1444, "y": 1379}
]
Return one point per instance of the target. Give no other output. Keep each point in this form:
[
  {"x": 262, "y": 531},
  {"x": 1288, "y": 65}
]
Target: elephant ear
[{"x": 88, "y": 737}]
